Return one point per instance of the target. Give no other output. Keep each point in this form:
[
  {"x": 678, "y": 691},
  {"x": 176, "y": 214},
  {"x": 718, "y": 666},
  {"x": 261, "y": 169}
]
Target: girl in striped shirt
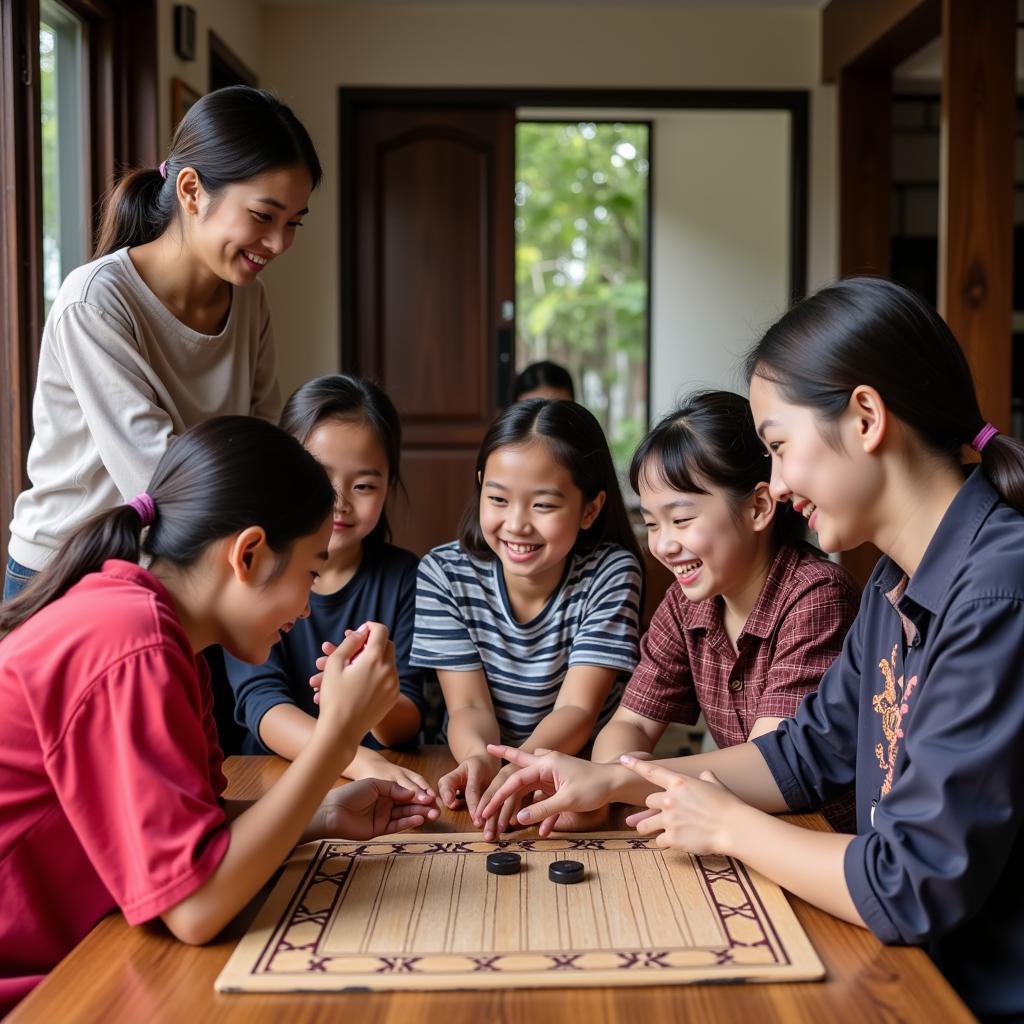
[{"x": 531, "y": 617}]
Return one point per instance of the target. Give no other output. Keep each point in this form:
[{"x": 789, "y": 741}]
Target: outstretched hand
[
  {"x": 369, "y": 808},
  {"x": 690, "y": 814},
  {"x": 566, "y": 783}
]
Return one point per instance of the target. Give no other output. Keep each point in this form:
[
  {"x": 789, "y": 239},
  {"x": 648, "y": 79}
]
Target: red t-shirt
[{"x": 109, "y": 770}]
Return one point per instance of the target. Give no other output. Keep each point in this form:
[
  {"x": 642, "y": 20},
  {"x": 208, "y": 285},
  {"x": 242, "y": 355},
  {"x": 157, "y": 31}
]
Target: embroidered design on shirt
[{"x": 892, "y": 705}]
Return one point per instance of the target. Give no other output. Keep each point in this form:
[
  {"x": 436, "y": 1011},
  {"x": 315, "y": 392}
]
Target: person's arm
[
  {"x": 701, "y": 816},
  {"x": 402, "y": 724},
  {"x": 152, "y": 825},
  {"x": 111, "y": 382},
  {"x": 626, "y": 732},
  {"x": 763, "y": 726},
  {"x": 569, "y": 725},
  {"x": 472, "y": 725}
]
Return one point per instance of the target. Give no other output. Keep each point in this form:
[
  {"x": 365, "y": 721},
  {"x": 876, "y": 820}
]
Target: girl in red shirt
[{"x": 110, "y": 772}]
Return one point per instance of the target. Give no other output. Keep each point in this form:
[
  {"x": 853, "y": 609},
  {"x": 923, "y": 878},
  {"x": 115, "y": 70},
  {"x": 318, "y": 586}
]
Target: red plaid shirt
[
  {"x": 796, "y": 629},
  {"x": 792, "y": 635}
]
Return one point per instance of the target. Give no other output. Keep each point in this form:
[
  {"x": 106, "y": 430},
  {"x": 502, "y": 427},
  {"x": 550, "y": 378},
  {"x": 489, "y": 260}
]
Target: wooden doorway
[{"x": 427, "y": 256}]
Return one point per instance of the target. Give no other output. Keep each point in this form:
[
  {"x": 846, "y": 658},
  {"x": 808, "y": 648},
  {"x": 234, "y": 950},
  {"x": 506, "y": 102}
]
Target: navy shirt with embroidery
[
  {"x": 383, "y": 589},
  {"x": 924, "y": 710}
]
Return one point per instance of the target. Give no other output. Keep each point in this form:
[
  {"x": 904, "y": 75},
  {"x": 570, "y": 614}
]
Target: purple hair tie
[
  {"x": 144, "y": 505},
  {"x": 983, "y": 437},
  {"x": 163, "y": 170}
]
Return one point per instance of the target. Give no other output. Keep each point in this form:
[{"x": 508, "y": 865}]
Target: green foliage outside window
[{"x": 581, "y": 265}]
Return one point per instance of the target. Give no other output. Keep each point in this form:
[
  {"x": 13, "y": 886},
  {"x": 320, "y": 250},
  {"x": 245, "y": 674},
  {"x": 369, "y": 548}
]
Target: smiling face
[
  {"x": 264, "y": 600},
  {"x": 238, "y": 231},
  {"x": 834, "y": 487},
  {"x": 531, "y": 512},
  {"x": 357, "y": 464},
  {"x": 708, "y": 542}
]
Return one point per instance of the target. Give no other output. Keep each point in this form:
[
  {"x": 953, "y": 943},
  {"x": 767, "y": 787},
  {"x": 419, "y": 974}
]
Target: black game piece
[
  {"x": 565, "y": 872},
  {"x": 504, "y": 863}
]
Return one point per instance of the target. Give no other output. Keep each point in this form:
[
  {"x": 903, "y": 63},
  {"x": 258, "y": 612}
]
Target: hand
[
  {"x": 691, "y": 814},
  {"x": 356, "y": 696},
  {"x": 471, "y": 778},
  {"x": 581, "y": 821},
  {"x": 371, "y": 765},
  {"x": 568, "y": 784},
  {"x": 316, "y": 680},
  {"x": 494, "y": 824},
  {"x": 365, "y": 809}
]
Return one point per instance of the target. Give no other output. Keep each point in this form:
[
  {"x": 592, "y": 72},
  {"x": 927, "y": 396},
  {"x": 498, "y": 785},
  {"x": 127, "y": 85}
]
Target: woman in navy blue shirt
[
  {"x": 865, "y": 403},
  {"x": 352, "y": 428}
]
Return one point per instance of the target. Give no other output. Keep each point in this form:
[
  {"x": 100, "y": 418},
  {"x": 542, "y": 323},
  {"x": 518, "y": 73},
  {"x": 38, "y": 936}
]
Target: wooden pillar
[
  {"x": 865, "y": 173},
  {"x": 976, "y": 191},
  {"x": 865, "y": 179}
]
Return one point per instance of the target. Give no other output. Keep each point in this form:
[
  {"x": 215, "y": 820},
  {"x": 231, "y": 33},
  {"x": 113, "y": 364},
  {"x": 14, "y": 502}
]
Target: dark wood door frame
[{"x": 351, "y": 100}]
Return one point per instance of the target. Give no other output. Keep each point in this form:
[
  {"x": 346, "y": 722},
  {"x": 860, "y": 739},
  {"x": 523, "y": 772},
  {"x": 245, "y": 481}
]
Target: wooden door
[{"x": 433, "y": 277}]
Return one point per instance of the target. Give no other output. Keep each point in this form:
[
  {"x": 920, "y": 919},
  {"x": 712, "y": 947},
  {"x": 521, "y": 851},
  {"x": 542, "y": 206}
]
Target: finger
[
  {"x": 507, "y": 813},
  {"x": 417, "y": 781},
  {"x": 401, "y": 824},
  {"x": 349, "y": 647},
  {"x": 512, "y": 754},
  {"x": 316, "y": 697},
  {"x": 636, "y": 817},
  {"x": 490, "y": 830},
  {"x": 658, "y": 800},
  {"x": 316, "y": 681},
  {"x": 400, "y": 793},
  {"x": 648, "y": 826},
  {"x": 473, "y": 787},
  {"x": 328, "y": 648},
  {"x": 652, "y": 771},
  {"x": 527, "y": 778},
  {"x": 551, "y": 807},
  {"x": 547, "y": 826},
  {"x": 447, "y": 785}
]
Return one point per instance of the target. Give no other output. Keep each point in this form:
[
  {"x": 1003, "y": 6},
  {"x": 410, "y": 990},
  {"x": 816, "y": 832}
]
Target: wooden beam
[
  {"x": 865, "y": 179},
  {"x": 865, "y": 173},
  {"x": 976, "y": 191},
  {"x": 875, "y": 33}
]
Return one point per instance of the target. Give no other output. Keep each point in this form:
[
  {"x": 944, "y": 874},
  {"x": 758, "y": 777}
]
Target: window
[
  {"x": 63, "y": 129},
  {"x": 582, "y": 265}
]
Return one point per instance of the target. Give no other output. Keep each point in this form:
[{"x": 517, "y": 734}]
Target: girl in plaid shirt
[{"x": 756, "y": 616}]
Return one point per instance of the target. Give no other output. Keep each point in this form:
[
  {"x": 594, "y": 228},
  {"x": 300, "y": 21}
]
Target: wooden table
[{"x": 143, "y": 974}]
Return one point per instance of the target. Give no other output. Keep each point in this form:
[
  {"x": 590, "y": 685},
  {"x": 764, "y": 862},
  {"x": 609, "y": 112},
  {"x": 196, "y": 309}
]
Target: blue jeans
[{"x": 16, "y": 578}]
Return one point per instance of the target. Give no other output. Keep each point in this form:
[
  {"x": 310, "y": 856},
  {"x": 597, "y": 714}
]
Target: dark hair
[
  {"x": 576, "y": 441},
  {"x": 211, "y": 482},
  {"x": 870, "y": 331},
  {"x": 341, "y": 396},
  {"x": 709, "y": 440},
  {"x": 544, "y": 374},
  {"x": 228, "y": 135}
]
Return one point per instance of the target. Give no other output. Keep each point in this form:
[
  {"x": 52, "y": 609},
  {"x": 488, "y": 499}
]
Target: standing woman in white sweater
[{"x": 168, "y": 326}]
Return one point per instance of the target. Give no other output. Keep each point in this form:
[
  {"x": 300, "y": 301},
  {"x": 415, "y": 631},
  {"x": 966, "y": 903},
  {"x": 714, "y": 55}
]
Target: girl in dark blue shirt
[
  {"x": 865, "y": 403},
  {"x": 352, "y": 428}
]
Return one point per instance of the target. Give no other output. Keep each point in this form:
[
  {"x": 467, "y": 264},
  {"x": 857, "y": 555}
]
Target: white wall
[
  {"x": 720, "y": 254},
  {"x": 239, "y": 24},
  {"x": 311, "y": 49}
]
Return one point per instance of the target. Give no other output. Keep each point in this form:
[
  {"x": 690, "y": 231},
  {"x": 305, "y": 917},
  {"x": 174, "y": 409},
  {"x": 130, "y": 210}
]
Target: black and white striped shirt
[{"x": 464, "y": 621}]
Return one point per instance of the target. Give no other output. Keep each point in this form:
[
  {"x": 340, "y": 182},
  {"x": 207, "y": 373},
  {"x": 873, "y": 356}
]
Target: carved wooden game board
[{"x": 422, "y": 912}]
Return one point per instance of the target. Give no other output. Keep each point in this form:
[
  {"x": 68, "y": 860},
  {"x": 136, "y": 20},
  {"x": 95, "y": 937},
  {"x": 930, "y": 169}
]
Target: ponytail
[
  {"x": 137, "y": 210},
  {"x": 211, "y": 482},
  {"x": 229, "y": 135},
  {"x": 870, "y": 331},
  {"x": 1002, "y": 461},
  {"x": 114, "y": 533}
]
